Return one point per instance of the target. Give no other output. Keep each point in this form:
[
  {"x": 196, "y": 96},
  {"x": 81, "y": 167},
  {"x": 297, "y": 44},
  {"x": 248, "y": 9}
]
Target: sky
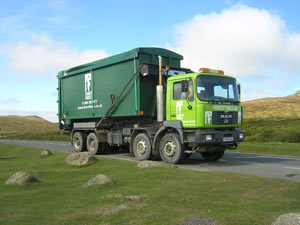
[{"x": 257, "y": 41}]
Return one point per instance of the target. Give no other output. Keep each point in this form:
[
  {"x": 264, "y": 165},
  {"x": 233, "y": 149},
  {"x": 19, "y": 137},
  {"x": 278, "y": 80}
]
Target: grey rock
[
  {"x": 134, "y": 197},
  {"x": 21, "y": 178},
  {"x": 288, "y": 219},
  {"x": 79, "y": 158},
  {"x": 148, "y": 164},
  {"x": 99, "y": 180},
  {"x": 198, "y": 220},
  {"x": 46, "y": 152}
]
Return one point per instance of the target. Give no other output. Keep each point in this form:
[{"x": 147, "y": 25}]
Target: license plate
[{"x": 228, "y": 139}]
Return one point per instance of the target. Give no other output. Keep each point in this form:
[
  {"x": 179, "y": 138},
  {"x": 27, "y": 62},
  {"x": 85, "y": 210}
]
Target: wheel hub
[
  {"x": 92, "y": 145},
  {"x": 170, "y": 149},
  {"x": 77, "y": 143},
  {"x": 141, "y": 147}
]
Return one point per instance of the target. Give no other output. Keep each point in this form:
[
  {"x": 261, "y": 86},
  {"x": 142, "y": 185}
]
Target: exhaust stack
[{"x": 159, "y": 93}]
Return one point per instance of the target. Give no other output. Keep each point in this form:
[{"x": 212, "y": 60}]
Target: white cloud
[
  {"x": 241, "y": 40},
  {"x": 45, "y": 57}
]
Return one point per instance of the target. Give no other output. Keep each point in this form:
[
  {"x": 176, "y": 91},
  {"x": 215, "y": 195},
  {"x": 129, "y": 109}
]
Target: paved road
[{"x": 255, "y": 164}]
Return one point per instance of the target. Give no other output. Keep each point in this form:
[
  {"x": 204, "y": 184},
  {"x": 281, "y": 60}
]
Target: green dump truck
[{"x": 144, "y": 100}]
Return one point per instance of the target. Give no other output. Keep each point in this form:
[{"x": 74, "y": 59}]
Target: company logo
[
  {"x": 179, "y": 115},
  {"x": 225, "y": 108},
  {"x": 87, "y": 83},
  {"x": 208, "y": 117}
]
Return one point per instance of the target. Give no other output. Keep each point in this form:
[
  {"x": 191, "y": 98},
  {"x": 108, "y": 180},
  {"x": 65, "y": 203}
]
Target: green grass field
[
  {"x": 271, "y": 148},
  {"x": 170, "y": 194},
  {"x": 284, "y": 130},
  {"x": 30, "y": 128}
]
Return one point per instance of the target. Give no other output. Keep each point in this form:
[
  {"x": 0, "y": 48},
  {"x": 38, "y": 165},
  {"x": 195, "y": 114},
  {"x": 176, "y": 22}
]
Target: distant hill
[
  {"x": 28, "y": 127},
  {"x": 273, "y": 108},
  {"x": 273, "y": 119}
]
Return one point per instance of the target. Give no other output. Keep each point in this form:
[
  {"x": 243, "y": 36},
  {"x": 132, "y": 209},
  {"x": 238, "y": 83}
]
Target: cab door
[{"x": 183, "y": 106}]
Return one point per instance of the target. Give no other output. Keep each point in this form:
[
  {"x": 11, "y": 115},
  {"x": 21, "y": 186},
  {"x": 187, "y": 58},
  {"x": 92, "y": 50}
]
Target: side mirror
[
  {"x": 239, "y": 89},
  {"x": 184, "y": 86}
]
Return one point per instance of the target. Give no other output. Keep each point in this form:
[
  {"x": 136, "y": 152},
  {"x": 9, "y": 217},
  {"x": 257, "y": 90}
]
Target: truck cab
[{"x": 207, "y": 104}]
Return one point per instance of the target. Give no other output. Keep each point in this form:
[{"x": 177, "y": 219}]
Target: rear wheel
[
  {"x": 170, "y": 148},
  {"x": 212, "y": 156},
  {"x": 142, "y": 147},
  {"x": 92, "y": 143},
  {"x": 78, "y": 141}
]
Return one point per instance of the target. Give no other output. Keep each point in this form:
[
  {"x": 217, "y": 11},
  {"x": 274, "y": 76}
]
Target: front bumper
[{"x": 212, "y": 136}]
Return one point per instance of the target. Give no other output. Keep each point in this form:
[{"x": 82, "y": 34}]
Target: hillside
[
  {"x": 273, "y": 119},
  {"x": 28, "y": 127},
  {"x": 273, "y": 108}
]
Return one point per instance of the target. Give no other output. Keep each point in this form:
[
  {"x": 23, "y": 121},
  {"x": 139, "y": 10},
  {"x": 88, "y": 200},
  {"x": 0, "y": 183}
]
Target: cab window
[{"x": 178, "y": 95}]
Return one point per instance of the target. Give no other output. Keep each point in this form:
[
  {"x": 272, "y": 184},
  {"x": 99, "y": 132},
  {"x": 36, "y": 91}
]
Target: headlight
[
  {"x": 208, "y": 137},
  {"x": 241, "y": 136}
]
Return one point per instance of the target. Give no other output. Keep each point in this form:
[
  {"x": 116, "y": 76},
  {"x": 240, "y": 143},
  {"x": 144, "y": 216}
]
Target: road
[{"x": 255, "y": 164}]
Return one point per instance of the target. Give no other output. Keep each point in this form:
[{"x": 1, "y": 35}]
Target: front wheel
[
  {"x": 212, "y": 156},
  {"x": 170, "y": 148}
]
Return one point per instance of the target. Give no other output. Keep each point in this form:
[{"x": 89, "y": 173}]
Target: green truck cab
[
  {"x": 208, "y": 109},
  {"x": 145, "y": 101}
]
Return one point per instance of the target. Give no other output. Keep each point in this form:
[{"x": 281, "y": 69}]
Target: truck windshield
[{"x": 217, "y": 89}]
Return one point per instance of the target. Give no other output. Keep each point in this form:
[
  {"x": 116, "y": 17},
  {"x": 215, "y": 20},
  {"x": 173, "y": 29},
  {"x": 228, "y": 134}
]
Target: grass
[
  {"x": 170, "y": 194},
  {"x": 272, "y": 108},
  {"x": 271, "y": 148},
  {"x": 287, "y": 130},
  {"x": 30, "y": 128},
  {"x": 272, "y": 119}
]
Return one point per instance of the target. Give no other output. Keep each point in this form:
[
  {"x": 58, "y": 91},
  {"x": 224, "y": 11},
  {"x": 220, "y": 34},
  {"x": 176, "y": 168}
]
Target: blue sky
[{"x": 256, "y": 41}]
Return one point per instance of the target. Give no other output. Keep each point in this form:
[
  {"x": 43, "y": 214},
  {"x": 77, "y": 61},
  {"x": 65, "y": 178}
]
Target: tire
[
  {"x": 170, "y": 148},
  {"x": 212, "y": 156},
  {"x": 142, "y": 147},
  {"x": 92, "y": 143},
  {"x": 79, "y": 142}
]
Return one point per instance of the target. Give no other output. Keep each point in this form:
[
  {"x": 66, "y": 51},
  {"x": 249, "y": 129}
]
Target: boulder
[
  {"x": 79, "y": 158},
  {"x": 46, "y": 152},
  {"x": 99, "y": 180},
  {"x": 198, "y": 220},
  {"x": 148, "y": 164},
  {"x": 288, "y": 219},
  {"x": 21, "y": 178}
]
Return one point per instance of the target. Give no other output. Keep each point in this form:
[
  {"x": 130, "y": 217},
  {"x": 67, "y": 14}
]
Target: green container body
[{"x": 86, "y": 91}]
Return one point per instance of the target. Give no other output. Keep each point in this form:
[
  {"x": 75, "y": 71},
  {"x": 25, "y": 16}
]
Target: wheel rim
[
  {"x": 170, "y": 149},
  {"x": 77, "y": 142},
  {"x": 141, "y": 147},
  {"x": 92, "y": 144}
]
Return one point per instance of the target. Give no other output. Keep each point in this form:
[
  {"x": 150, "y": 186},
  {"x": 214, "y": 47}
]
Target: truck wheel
[
  {"x": 212, "y": 156},
  {"x": 92, "y": 143},
  {"x": 78, "y": 141},
  {"x": 170, "y": 148},
  {"x": 142, "y": 147}
]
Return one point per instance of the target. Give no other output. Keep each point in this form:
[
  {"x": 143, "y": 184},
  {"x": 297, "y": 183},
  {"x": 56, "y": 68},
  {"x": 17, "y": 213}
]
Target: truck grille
[{"x": 222, "y": 118}]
